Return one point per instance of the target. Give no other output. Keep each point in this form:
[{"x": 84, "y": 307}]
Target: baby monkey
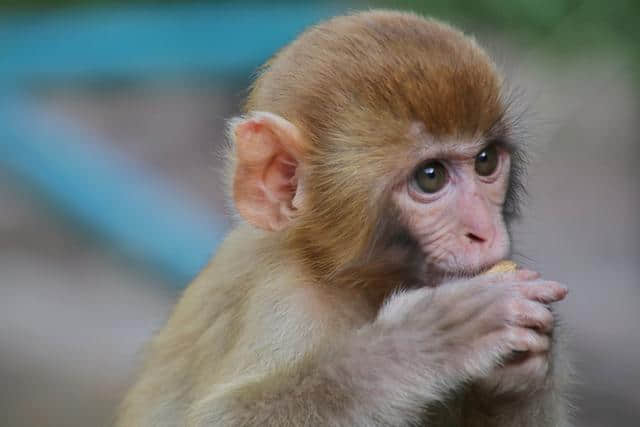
[{"x": 375, "y": 170}]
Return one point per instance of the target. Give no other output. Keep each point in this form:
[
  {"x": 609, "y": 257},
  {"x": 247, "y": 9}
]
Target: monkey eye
[
  {"x": 486, "y": 161},
  {"x": 431, "y": 177}
]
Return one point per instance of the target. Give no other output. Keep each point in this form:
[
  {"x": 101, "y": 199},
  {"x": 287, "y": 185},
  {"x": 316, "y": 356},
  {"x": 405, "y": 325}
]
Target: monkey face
[{"x": 452, "y": 203}]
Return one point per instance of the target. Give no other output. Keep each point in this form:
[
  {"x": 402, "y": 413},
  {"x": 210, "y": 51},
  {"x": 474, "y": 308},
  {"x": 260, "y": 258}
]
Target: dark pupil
[
  {"x": 487, "y": 161},
  {"x": 431, "y": 177},
  {"x": 430, "y": 172}
]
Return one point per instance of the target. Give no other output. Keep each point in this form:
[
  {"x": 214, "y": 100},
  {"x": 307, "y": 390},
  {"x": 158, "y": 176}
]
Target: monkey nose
[
  {"x": 476, "y": 223},
  {"x": 474, "y": 238},
  {"x": 480, "y": 235}
]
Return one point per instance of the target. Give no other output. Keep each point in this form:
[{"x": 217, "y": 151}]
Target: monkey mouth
[{"x": 438, "y": 275}]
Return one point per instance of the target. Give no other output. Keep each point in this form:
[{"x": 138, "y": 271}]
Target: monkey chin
[{"x": 442, "y": 275}]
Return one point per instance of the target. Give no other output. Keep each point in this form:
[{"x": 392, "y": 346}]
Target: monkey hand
[
  {"x": 523, "y": 372},
  {"x": 465, "y": 330},
  {"x": 520, "y": 376}
]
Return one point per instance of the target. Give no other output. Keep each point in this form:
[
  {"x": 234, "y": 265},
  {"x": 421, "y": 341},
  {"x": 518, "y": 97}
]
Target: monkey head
[{"x": 368, "y": 141}]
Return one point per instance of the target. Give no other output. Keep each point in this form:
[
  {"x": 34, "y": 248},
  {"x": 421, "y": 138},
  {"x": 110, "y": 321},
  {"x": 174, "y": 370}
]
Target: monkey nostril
[{"x": 475, "y": 238}]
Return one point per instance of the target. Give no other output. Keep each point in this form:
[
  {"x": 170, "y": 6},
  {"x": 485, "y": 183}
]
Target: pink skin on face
[{"x": 460, "y": 227}]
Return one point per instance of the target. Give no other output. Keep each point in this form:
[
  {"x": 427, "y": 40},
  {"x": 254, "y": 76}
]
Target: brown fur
[
  {"x": 348, "y": 80},
  {"x": 279, "y": 329}
]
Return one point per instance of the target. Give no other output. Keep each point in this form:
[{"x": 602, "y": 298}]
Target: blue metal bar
[
  {"x": 81, "y": 177},
  {"x": 136, "y": 42},
  {"x": 148, "y": 220}
]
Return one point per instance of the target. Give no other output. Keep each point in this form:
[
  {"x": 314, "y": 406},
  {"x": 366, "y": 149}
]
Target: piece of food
[{"x": 503, "y": 266}]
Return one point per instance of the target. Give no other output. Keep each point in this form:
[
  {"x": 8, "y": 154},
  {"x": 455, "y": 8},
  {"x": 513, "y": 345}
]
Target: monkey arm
[
  {"x": 355, "y": 384},
  {"x": 548, "y": 407},
  {"x": 415, "y": 353},
  {"x": 292, "y": 396},
  {"x": 536, "y": 411},
  {"x": 542, "y": 410}
]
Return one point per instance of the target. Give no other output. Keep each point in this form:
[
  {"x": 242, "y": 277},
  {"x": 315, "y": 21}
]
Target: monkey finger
[
  {"x": 532, "y": 315},
  {"x": 544, "y": 291},
  {"x": 513, "y": 340},
  {"x": 527, "y": 274},
  {"x": 524, "y": 339}
]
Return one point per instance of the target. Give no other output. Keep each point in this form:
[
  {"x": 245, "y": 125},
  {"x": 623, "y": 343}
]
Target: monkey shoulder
[{"x": 245, "y": 311}]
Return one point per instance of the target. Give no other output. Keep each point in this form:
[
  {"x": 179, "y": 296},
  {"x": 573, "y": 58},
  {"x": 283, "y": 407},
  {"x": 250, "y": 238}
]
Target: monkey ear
[{"x": 268, "y": 151}]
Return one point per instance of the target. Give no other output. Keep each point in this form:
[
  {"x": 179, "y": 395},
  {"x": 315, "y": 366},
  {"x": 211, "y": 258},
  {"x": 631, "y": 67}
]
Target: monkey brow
[
  {"x": 506, "y": 132},
  {"x": 454, "y": 149},
  {"x": 459, "y": 147}
]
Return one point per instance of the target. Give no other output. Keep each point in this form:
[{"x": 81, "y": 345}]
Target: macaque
[{"x": 375, "y": 172}]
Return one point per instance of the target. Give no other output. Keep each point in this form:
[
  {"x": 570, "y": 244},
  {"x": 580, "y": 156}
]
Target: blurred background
[{"x": 111, "y": 117}]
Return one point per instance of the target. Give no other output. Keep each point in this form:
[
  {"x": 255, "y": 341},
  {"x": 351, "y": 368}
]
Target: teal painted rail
[{"x": 85, "y": 179}]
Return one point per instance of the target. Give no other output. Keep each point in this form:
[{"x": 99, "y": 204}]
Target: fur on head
[{"x": 353, "y": 86}]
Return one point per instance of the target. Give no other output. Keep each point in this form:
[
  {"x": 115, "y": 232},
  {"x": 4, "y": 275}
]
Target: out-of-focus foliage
[{"x": 563, "y": 27}]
